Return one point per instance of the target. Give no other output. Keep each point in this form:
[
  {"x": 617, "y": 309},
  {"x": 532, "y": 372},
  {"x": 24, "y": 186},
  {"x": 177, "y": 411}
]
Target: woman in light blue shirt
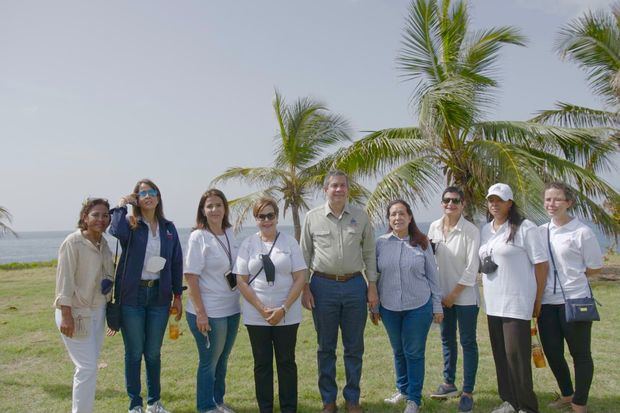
[{"x": 410, "y": 299}]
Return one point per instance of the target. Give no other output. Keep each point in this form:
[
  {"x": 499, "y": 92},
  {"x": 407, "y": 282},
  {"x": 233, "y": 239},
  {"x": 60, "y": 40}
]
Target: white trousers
[{"x": 84, "y": 353}]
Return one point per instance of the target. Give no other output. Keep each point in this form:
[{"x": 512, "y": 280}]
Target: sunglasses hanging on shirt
[{"x": 270, "y": 269}]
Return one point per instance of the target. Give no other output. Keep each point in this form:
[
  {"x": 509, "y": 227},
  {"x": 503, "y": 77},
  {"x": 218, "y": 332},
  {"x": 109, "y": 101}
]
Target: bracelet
[{"x": 283, "y": 307}]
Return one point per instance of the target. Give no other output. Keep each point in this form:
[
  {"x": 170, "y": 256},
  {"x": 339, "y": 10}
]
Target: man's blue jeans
[
  {"x": 467, "y": 318},
  {"x": 339, "y": 305},
  {"x": 213, "y": 361},
  {"x": 407, "y": 331},
  {"x": 143, "y": 327}
]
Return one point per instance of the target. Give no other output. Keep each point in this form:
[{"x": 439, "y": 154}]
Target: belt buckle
[
  {"x": 339, "y": 277},
  {"x": 150, "y": 283}
]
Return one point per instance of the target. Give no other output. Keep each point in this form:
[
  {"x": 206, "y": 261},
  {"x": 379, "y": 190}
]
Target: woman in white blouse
[
  {"x": 514, "y": 263},
  {"x": 213, "y": 308},
  {"x": 576, "y": 255},
  {"x": 83, "y": 286},
  {"x": 271, "y": 274},
  {"x": 456, "y": 249}
]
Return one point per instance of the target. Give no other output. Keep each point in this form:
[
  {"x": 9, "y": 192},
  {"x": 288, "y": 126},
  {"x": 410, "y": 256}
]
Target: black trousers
[
  {"x": 511, "y": 344},
  {"x": 553, "y": 331},
  {"x": 282, "y": 339}
]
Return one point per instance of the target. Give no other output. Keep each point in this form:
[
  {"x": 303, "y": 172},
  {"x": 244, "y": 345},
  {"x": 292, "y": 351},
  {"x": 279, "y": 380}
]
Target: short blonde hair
[{"x": 264, "y": 202}]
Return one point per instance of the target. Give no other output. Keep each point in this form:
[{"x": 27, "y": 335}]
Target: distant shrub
[{"x": 25, "y": 265}]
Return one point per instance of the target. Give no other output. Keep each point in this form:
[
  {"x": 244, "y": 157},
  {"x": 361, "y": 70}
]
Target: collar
[
  {"x": 394, "y": 237},
  {"x": 569, "y": 226},
  {"x": 345, "y": 210},
  {"x": 457, "y": 227}
]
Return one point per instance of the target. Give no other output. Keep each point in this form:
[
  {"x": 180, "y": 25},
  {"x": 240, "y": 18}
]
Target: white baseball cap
[{"x": 501, "y": 190}]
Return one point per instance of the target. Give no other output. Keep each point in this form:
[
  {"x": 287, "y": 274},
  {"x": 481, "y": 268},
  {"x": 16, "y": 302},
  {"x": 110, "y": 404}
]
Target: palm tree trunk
[{"x": 296, "y": 221}]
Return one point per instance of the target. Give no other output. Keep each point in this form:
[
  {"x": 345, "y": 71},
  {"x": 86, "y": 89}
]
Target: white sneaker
[
  {"x": 156, "y": 407},
  {"x": 136, "y": 409},
  {"x": 224, "y": 408},
  {"x": 412, "y": 407},
  {"x": 504, "y": 408},
  {"x": 395, "y": 398}
]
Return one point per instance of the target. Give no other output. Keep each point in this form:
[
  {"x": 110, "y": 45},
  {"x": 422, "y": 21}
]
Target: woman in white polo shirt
[
  {"x": 213, "y": 308},
  {"x": 271, "y": 272},
  {"x": 577, "y": 255},
  {"x": 514, "y": 263}
]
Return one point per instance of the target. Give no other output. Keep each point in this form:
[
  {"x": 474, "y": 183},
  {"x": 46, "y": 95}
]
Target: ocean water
[{"x": 43, "y": 246}]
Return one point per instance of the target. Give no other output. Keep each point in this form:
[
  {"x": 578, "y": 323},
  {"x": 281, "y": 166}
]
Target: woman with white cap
[{"x": 514, "y": 263}]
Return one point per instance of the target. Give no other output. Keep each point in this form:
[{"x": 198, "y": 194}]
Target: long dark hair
[
  {"x": 137, "y": 212},
  {"x": 514, "y": 220},
  {"x": 201, "y": 218},
  {"x": 416, "y": 237},
  {"x": 87, "y": 205}
]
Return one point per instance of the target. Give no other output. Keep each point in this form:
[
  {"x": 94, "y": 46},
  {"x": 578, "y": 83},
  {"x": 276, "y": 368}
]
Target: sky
[{"x": 96, "y": 95}]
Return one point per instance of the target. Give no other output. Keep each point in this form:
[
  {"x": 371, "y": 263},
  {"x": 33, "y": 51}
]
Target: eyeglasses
[
  {"x": 148, "y": 192},
  {"x": 266, "y": 217},
  {"x": 455, "y": 201}
]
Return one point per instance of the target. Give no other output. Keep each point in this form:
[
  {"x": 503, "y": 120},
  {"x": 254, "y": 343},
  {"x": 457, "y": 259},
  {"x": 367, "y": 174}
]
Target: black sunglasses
[
  {"x": 455, "y": 201},
  {"x": 266, "y": 217}
]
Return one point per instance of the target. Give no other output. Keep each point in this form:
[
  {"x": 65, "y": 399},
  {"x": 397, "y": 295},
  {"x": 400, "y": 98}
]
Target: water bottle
[
  {"x": 538, "y": 357},
  {"x": 173, "y": 324}
]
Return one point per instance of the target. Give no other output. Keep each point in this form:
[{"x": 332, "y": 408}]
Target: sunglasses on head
[
  {"x": 266, "y": 217},
  {"x": 455, "y": 201},
  {"x": 148, "y": 192}
]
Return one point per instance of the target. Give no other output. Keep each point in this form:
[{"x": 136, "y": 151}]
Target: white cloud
[{"x": 569, "y": 8}]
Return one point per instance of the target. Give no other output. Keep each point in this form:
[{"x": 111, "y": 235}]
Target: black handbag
[
  {"x": 113, "y": 315},
  {"x": 575, "y": 309}
]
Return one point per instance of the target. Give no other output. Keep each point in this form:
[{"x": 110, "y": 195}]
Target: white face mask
[{"x": 155, "y": 264}]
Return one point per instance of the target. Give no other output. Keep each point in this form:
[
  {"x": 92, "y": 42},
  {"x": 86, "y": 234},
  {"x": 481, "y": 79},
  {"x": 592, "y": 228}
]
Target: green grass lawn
[{"x": 37, "y": 373}]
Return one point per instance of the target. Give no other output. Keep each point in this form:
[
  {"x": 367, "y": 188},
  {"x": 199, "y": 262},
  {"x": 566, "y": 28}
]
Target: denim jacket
[{"x": 170, "y": 277}]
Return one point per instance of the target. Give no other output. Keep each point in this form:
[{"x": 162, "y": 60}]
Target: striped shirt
[{"x": 408, "y": 275}]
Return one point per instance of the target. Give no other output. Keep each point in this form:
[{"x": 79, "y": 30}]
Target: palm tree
[
  {"x": 306, "y": 131},
  {"x": 5, "y": 220},
  {"x": 593, "y": 42},
  {"x": 454, "y": 69}
]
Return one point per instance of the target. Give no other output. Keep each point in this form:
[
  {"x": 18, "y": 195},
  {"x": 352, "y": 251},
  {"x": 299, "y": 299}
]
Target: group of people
[{"x": 405, "y": 279}]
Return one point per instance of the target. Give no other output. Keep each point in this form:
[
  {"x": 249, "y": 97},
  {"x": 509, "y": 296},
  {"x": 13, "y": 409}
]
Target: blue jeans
[
  {"x": 407, "y": 331},
  {"x": 213, "y": 361},
  {"x": 143, "y": 327},
  {"x": 339, "y": 305},
  {"x": 467, "y": 318}
]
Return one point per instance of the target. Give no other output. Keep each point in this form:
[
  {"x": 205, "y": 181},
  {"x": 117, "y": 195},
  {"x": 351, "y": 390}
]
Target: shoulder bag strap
[
  {"x": 556, "y": 278},
  {"x": 269, "y": 254},
  {"x": 117, "y": 294}
]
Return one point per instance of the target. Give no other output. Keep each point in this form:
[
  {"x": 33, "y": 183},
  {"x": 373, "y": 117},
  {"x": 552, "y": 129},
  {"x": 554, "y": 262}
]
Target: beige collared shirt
[
  {"x": 339, "y": 245},
  {"x": 81, "y": 267}
]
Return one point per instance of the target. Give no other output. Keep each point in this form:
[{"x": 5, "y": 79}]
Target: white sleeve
[
  {"x": 298, "y": 262},
  {"x": 195, "y": 257},
  {"x": 243, "y": 257},
  {"x": 590, "y": 250},
  {"x": 533, "y": 243}
]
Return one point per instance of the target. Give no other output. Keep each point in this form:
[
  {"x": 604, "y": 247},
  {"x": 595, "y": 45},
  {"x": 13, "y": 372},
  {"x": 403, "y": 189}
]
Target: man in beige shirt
[{"x": 337, "y": 241}]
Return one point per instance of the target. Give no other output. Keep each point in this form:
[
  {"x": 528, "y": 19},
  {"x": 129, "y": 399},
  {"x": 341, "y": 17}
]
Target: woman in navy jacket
[{"x": 149, "y": 281}]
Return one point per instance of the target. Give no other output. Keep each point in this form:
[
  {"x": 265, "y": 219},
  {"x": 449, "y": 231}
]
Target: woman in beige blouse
[{"x": 83, "y": 285}]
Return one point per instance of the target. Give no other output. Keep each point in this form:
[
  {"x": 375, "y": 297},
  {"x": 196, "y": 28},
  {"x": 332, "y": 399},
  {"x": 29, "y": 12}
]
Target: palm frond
[
  {"x": 375, "y": 153},
  {"x": 419, "y": 55},
  {"x": 581, "y": 145},
  {"x": 5, "y": 220},
  {"x": 415, "y": 181},
  {"x": 482, "y": 51},
  {"x": 593, "y": 42},
  {"x": 263, "y": 176},
  {"x": 574, "y": 116}
]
